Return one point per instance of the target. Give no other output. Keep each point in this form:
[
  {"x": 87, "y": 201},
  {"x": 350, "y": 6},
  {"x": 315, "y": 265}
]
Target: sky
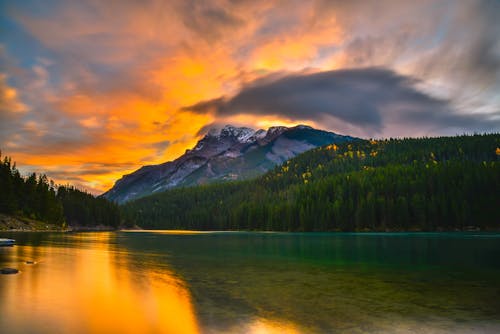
[{"x": 91, "y": 90}]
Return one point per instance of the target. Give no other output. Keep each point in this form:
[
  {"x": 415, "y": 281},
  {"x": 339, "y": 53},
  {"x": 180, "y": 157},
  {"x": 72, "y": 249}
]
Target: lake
[{"x": 243, "y": 282}]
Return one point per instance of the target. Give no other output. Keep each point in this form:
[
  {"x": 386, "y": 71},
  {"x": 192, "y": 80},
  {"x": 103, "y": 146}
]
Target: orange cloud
[
  {"x": 300, "y": 47},
  {"x": 9, "y": 99}
]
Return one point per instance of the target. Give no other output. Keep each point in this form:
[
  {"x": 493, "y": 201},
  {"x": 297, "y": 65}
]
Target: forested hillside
[
  {"x": 426, "y": 184},
  {"x": 37, "y": 198},
  {"x": 83, "y": 209}
]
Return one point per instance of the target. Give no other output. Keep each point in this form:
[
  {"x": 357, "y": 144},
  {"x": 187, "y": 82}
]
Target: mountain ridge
[{"x": 233, "y": 153}]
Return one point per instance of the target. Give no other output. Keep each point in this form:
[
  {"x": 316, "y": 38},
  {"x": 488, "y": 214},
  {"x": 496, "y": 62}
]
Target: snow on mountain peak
[
  {"x": 244, "y": 134},
  {"x": 227, "y": 134},
  {"x": 241, "y": 134},
  {"x": 276, "y": 130},
  {"x": 304, "y": 127},
  {"x": 259, "y": 134}
]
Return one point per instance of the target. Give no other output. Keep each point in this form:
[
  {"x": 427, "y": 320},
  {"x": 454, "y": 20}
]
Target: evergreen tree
[{"x": 36, "y": 197}]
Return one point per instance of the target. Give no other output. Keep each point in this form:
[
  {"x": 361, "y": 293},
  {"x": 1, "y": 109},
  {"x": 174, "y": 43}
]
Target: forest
[
  {"x": 36, "y": 197},
  {"x": 422, "y": 184}
]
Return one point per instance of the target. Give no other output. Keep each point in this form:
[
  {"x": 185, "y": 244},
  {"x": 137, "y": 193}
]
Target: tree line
[
  {"x": 431, "y": 184},
  {"x": 36, "y": 197}
]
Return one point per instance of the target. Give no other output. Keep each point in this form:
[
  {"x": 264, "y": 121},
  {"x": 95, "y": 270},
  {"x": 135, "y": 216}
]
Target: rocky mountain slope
[{"x": 231, "y": 154}]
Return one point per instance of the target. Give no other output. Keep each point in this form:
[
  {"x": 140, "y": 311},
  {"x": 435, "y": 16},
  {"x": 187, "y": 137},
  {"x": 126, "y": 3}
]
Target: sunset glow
[
  {"x": 109, "y": 297},
  {"x": 92, "y": 90}
]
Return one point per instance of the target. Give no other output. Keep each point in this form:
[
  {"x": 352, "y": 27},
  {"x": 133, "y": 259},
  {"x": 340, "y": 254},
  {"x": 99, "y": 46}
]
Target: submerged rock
[{"x": 7, "y": 271}]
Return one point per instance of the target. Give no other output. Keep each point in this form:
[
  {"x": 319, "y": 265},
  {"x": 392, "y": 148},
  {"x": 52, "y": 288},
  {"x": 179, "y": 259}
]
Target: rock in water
[
  {"x": 8, "y": 271},
  {"x": 7, "y": 242}
]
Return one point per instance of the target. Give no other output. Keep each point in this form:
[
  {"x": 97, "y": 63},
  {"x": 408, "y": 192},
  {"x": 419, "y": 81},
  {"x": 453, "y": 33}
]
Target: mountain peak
[
  {"x": 240, "y": 133},
  {"x": 230, "y": 131},
  {"x": 276, "y": 130},
  {"x": 231, "y": 153},
  {"x": 304, "y": 127}
]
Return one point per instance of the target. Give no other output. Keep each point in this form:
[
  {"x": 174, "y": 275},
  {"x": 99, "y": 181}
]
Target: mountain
[
  {"x": 425, "y": 184},
  {"x": 233, "y": 153}
]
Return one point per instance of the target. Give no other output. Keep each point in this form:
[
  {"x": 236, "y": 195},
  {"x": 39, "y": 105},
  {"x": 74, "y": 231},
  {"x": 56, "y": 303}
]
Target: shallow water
[{"x": 238, "y": 282}]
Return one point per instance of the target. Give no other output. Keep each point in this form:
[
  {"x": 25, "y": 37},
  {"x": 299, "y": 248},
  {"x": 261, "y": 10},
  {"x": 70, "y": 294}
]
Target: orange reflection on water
[
  {"x": 92, "y": 289},
  {"x": 263, "y": 326}
]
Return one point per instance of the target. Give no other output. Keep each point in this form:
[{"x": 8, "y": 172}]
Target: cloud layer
[
  {"x": 369, "y": 99},
  {"x": 83, "y": 83}
]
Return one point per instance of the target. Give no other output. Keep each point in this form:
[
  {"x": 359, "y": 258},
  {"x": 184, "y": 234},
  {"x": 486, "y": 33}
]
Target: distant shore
[{"x": 22, "y": 224}]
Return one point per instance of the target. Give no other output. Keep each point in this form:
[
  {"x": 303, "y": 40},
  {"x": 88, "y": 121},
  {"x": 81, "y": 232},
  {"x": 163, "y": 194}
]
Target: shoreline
[
  {"x": 22, "y": 224},
  {"x": 171, "y": 231},
  {"x": 10, "y": 223},
  {"x": 190, "y": 232}
]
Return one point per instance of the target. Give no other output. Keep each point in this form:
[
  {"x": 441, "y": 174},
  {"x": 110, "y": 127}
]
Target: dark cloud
[
  {"x": 366, "y": 98},
  {"x": 451, "y": 45}
]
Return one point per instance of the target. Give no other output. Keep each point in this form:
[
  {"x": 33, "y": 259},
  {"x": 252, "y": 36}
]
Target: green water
[{"x": 238, "y": 282}]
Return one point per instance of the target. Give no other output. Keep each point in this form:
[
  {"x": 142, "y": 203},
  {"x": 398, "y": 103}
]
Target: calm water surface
[{"x": 182, "y": 282}]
